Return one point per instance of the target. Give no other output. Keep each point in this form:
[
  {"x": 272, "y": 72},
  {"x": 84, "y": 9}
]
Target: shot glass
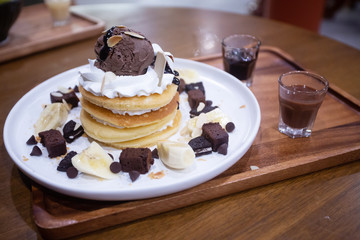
[
  {"x": 300, "y": 96},
  {"x": 240, "y": 53},
  {"x": 60, "y": 11}
]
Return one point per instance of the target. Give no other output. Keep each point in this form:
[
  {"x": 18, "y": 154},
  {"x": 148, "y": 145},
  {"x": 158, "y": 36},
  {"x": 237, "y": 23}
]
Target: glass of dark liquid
[
  {"x": 300, "y": 96},
  {"x": 240, "y": 53},
  {"x": 9, "y": 12}
]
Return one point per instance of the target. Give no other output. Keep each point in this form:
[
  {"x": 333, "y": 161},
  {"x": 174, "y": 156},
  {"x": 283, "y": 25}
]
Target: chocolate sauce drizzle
[
  {"x": 176, "y": 81},
  {"x": 104, "y": 52}
]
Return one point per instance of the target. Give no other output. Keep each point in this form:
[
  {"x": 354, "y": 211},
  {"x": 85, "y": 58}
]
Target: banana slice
[
  {"x": 94, "y": 161},
  {"x": 194, "y": 125},
  {"x": 54, "y": 115},
  {"x": 178, "y": 155},
  {"x": 189, "y": 75}
]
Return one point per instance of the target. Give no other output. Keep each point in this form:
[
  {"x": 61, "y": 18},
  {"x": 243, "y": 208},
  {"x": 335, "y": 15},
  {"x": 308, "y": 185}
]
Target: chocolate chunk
[
  {"x": 195, "y": 86},
  {"x": 66, "y": 162},
  {"x": 201, "y": 146},
  {"x": 176, "y": 73},
  {"x": 215, "y": 134},
  {"x": 72, "y": 172},
  {"x": 136, "y": 159},
  {"x": 115, "y": 167},
  {"x": 54, "y": 142},
  {"x": 222, "y": 149},
  {"x": 194, "y": 112},
  {"x": 182, "y": 84},
  {"x": 31, "y": 141},
  {"x": 70, "y": 97},
  {"x": 176, "y": 81},
  {"x": 72, "y": 131},
  {"x": 36, "y": 151},
  {"x": 134, "y": 175},
  {"x": 195, "y": 97},
  {"x": 230, "y": 126},
  {"x": 76, "y": 88},
  {"x": 155, "y": 153}
]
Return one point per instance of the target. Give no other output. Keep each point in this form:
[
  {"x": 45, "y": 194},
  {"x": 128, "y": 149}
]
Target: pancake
[
  {"x": 132, "y": 103},
  {"x": 127, "y": 121},
  {"x": 152, "y": 139},
  {"x": 108, "y": 134}
]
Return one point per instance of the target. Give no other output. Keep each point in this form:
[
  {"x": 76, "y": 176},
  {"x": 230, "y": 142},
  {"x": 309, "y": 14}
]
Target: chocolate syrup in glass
[
  {"x": 240, "y": 69},
  {"x": 239, "y": 63},
  {"x": 299, "y": 110}
]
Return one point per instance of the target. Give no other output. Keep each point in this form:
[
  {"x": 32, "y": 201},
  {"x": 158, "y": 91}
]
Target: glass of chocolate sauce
[
  {"x": 239, "y": 56},
  {"x": 300, "y": 96}
]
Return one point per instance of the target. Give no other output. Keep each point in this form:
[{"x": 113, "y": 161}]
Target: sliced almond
[
  {"x": 108, "y": 77},
  {"x": 77, "y": 125},
  {"x": 56, "y": 94},
  {"x": 64, "y": 89},
  {"x": 113, "y": 40},
  {"x": 200, "y": 107},
  {"x": 134, "y": 34},
  {"x": 159, "y": 67},
  {"x": 102, "y": 84},
  {"x": 105, "y": 31}
]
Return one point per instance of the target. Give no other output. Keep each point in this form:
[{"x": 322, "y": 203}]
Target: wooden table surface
[{"x": 322, "y": 205}]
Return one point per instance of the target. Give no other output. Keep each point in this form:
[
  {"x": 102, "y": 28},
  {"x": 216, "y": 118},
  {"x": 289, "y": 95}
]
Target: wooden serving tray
[
  {"x": 335, "y": 140},
  {"x": 33, "y": 32}
]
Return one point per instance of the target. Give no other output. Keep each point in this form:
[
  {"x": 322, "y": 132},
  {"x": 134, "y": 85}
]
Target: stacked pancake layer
[{"x": 138, "y": 121}]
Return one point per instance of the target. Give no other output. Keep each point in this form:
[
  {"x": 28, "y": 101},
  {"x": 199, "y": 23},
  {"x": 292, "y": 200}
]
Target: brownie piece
[
  {"x": 195, "y": 86},
  {"x": 54, "y": 142},
  {"x": 215, "y": 134},
  {"x": 70, "y": 97},
  {"x": 136, "y": 159},
  {"x": 182, "y": 84},
  {"x": 201, "y": 146},
  {"x": 72, "y": 131},
  {"x": 195, "y": 97}
]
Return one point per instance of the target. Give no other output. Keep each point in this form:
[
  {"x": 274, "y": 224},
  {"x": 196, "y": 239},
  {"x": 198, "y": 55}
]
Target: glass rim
[
  {"x": 311, "y": 74},
  {"x": 248, "y": 36}
]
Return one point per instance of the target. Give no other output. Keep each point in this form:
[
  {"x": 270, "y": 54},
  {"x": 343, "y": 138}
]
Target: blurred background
[{"x": 336, "y": 19}]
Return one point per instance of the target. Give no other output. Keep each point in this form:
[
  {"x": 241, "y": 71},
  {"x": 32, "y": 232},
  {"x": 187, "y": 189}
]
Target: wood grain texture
[
  {"x": 321, "y": 205},
  {"x": 34, "y": 32},
  {"x": 277, "y": 156}
]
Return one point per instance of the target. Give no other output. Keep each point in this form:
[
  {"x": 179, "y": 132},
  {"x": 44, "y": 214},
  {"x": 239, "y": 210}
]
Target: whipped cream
[
  {"x": 133, "y": 113},
  {"x": 108, "y": 84}
]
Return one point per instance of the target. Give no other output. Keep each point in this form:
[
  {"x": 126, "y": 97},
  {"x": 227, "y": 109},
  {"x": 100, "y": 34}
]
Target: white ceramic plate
[{"x": 233, "y": 98}]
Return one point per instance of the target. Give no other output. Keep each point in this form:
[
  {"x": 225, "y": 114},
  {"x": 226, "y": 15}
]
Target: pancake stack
[{"x": 127, "y": 121}]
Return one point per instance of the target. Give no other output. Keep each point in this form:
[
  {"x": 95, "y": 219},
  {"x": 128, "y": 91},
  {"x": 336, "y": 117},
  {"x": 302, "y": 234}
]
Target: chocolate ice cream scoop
[{"x": 123, "y": 51}]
